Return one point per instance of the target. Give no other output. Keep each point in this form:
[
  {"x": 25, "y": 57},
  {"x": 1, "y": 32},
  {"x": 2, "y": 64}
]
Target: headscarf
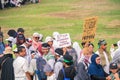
[{"x": 94, "y": 68}]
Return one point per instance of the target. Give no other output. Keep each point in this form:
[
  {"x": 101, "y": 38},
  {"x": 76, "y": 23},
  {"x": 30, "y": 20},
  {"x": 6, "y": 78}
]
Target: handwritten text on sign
[
  {"x": 89, "y": 29},
  {"x": 63, "y": 40}
]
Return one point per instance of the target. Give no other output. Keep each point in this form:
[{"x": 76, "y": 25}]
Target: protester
[
  {"x": 36, "y": 44},
  {"x": 116, "y": 53},
  {"x": 95, "y": 69},
  {"x": 59, "y": 59},
  {"x": 68, "y": 72},
  {"x": 47, "y": 55},
  {"x": 104, "y": 55},
  {"x": 49, "y": 40},
  {"x": 114, "y": 71},
  {"x": 49, "y": 72},
  {"x": 7, "y": 71},
  {"x": 82, "y": 67},
  {"x": 21, "y": 66},
  {"x": 77, "y": 49},
  {"x": 20, "y": 31},
  {"x": 20, "y": 40}
]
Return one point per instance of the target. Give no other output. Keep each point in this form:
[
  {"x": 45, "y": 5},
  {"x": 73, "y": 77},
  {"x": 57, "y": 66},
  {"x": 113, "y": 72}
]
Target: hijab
[{"x": 94, "y": 68}]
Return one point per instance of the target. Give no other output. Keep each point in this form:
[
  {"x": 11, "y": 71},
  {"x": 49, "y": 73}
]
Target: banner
[
  {"x": 89, "y": 29},
  {"x": 63, "y": 40}
]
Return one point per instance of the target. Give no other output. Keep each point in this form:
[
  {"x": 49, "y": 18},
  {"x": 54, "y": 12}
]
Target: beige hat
[
  {"x": 36, "y": 34},
  {"x": 48, "y": 38},
  {"x": 8, "y": 50}
]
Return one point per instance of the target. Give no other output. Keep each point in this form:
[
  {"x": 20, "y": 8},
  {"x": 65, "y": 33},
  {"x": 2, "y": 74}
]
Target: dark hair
[
  {"x": 45, "y": 45},
  {"x": 12, "y": 33},
  {"x": 91, "y": 44},
  {"x": 83, "y": 43},
  {"x": 20, "y": 48},
  {"x": 20, "y": 30}
]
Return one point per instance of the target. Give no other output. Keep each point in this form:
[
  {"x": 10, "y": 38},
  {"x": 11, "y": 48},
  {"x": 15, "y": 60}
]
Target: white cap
[
  {"x": 36, "y": 34},
  {"x": 55, "y": 34},
  {"x": 48, "y": 38},
  {"x": 10, "y": 39}
]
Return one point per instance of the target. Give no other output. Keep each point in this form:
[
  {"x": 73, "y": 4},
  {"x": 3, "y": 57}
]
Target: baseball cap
[{"x": 113, "y": 66}]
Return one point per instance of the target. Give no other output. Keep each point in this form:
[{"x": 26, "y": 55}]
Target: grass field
[{"x": 65, "y": 16}]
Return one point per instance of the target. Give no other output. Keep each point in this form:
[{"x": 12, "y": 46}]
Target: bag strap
[{"x": 63, "y": 72}]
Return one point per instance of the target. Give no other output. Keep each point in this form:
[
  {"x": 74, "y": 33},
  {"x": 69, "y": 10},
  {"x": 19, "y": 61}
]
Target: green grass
[{"x": 65, "y": 16}]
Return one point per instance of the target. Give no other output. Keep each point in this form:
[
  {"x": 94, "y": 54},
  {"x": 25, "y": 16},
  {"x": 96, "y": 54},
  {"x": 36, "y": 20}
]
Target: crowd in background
[
  {"x": 15, "y": 3},
  {"x": 24, "y": 58}
]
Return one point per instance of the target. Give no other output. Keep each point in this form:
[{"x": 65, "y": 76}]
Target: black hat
[
  {"x": 59, "y": 51},
  {"x": 45, "y": 45},
  {"x": 68, "y": 58},
  {"x": 21, "y": 37},
  {"x": 113, "y": 66}
]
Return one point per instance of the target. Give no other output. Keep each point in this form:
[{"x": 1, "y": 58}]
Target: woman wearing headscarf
[{"x": 95, "y": 69}]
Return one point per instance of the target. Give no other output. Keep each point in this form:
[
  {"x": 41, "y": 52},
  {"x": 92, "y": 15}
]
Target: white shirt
[
  {"x": 32, "y": 68},
  {"x": 20, "y": 67},
  {"x": 57, "y": 68},
  {"x": 52, "y": 77}
]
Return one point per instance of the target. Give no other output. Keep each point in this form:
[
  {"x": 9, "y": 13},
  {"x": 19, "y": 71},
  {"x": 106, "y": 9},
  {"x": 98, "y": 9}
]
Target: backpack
[
  {"x": 64, "y": 75},
  {"x": 40, "y": 62}
]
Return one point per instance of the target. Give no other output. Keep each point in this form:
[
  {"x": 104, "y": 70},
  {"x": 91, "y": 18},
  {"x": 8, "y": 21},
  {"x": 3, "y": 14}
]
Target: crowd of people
[
  {"x": 24, "y": 58},
  {"x": 15, "y": 3}
]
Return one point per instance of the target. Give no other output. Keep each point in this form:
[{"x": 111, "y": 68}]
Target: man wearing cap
[
  {"x": 103, "y": 53},
  {"x": 114, "y": 69},
  {"x": 47, "y": 55},
  {"x": 58, "y": 65},
  {"x": 68, "y": 71}
]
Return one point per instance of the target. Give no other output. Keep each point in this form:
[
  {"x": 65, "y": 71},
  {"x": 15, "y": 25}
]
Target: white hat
[
  {"x": 48, "y": 38},
  {"x": 10, "y": 39},
  {"x": 118, "y": 43},
  {"x": 55, "y": 34},
  {"x": 36, "y": 34},
  {"x": 40, "y": 36}
]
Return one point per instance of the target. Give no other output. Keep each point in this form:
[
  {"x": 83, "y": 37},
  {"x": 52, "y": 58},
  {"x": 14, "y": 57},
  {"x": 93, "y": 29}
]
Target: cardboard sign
[
  {"x": 63, "y": 40},
  {"x": 89, "y": 29}
]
